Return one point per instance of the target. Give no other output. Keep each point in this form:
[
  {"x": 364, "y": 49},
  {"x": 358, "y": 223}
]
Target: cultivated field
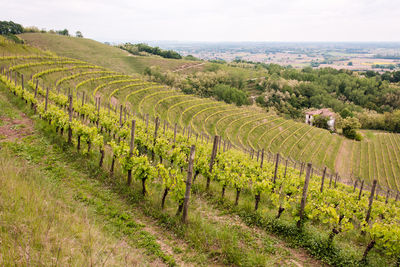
[{"x": 246, "y": 128}]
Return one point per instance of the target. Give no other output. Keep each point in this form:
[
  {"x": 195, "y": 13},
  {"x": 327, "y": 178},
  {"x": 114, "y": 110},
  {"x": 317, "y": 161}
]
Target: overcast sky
[{"x": 213, "y": 20}]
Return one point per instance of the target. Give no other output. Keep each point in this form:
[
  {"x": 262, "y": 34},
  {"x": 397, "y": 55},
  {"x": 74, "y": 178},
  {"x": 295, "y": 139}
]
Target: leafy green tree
[
  {"x": 79, "y": 34},
  {"x": 63, "y": 32},
  {"x": 350, "y": 126},
  {"x": 230, "y": 94},
  {"x": 321, "y": 121},
  {"x": 346, "y": 113},
  {"x": 10, "y": 27}
]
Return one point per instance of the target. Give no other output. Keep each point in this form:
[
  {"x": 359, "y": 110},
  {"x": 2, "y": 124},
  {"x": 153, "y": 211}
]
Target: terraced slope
[
  {"x": 247, "y": 128},
  {"x": 102, "y": 54}
]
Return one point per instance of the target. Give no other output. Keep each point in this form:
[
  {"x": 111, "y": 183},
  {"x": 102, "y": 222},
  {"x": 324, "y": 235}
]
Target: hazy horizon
[{"x": 293, "y": 21}]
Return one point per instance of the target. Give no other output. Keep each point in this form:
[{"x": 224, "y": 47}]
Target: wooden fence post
[
  {"x": 70, "y": 119},
  {"x": 131, "y": 149},
  {"x": 188, "y": 184},
  {"x": 276, "y": 167},
  {"x": 371, "y": 199},
  {"x": 323, "y": 180},
  {"x": 304, "y": 196},
  {"x": 213, "y": 155}
]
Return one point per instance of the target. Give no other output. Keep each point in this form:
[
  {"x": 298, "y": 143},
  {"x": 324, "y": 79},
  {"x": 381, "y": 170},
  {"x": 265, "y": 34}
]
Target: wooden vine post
[
  {"x": 355, "y": 186},
  {"x": 70, "y": 119},
  {"x": 147, "y": 123},
  {"x": 120, "y": 115},
  {"x": 262, "y": 158},
  {"x": 371, "y": 200},
  {"x": 323, "y": 180},
  {"x": 213, "y": 155},
  {"x": 175, "y": 133},
  {"x": 188, "y": 184},
  {"x": 276, "y": 167},
  {"x": 387, "y": 196},
  {"x": 336, "y": 178},
  {"x": 304, "y": 196},
  {"x": 361, "y": 189},
  {"x": 286, "y": 164},
  {"x": 258, "y": 196},
  {"x": 131, "y": 149},
  {"x": 157, "y": 124},
  {"x": 83, "y": 98},
  {"x": 47, "y": 99}
]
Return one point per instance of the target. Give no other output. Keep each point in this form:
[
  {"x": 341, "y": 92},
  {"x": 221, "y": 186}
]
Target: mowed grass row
[{"x": 375, "y": 157}]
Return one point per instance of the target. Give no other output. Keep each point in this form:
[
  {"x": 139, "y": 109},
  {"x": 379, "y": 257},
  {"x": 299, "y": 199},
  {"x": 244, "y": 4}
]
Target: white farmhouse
[{"x": 322, "y": 112}]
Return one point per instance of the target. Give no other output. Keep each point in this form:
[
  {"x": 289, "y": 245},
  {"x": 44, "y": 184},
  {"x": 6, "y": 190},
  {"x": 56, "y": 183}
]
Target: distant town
[{"x": 378, "y": 57}]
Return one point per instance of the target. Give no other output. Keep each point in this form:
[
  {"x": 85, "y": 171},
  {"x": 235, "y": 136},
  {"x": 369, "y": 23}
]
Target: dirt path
[
  {"x": 342, "y": 161},
  {"x": 12, "y": 129}
]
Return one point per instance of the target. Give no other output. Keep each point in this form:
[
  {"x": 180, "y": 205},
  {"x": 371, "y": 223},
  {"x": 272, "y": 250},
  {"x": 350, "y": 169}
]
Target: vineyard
[
  {"x": 157, "y": 135},
  {"x": 246, "y": 128}
]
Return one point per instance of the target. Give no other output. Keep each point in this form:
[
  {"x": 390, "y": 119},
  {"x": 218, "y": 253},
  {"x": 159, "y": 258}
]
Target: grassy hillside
[{"x": 100, "y": 54}]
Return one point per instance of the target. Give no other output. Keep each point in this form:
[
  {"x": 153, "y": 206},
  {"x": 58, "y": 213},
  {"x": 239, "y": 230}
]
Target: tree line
[
  {"x": 141, "y": 47},
  {"x": 10, "y": 29}
]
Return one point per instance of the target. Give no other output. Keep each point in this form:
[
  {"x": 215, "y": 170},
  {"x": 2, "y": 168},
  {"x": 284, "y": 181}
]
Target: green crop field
[{"x": 246, "y": 128}]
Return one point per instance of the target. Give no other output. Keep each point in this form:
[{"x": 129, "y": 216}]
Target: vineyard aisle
[{"x": 115, "y": 230}]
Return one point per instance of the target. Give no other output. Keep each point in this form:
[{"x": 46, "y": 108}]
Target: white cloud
[{"x": 214, "y": 20}]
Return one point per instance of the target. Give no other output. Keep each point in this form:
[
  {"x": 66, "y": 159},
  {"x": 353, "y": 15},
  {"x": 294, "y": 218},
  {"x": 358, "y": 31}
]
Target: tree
[
  {"x": 63, "y": 32},
  {"x": 346, "y": 113},
  {"x": 9, "y": 27},
  {"x": 349, "y": 126},
  {"x": 321, "y": 121},
  {"x": 78, "y": 34}
]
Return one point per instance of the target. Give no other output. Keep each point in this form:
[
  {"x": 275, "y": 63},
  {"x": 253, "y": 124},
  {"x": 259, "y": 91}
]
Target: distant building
[{"x": 322, "y": 112}]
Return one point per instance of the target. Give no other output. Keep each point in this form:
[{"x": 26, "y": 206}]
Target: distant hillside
[{"x": 101, "y": 54}]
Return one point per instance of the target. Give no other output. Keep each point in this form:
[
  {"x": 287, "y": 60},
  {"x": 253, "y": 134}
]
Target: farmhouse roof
[{"x": 324, "y": 112}]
